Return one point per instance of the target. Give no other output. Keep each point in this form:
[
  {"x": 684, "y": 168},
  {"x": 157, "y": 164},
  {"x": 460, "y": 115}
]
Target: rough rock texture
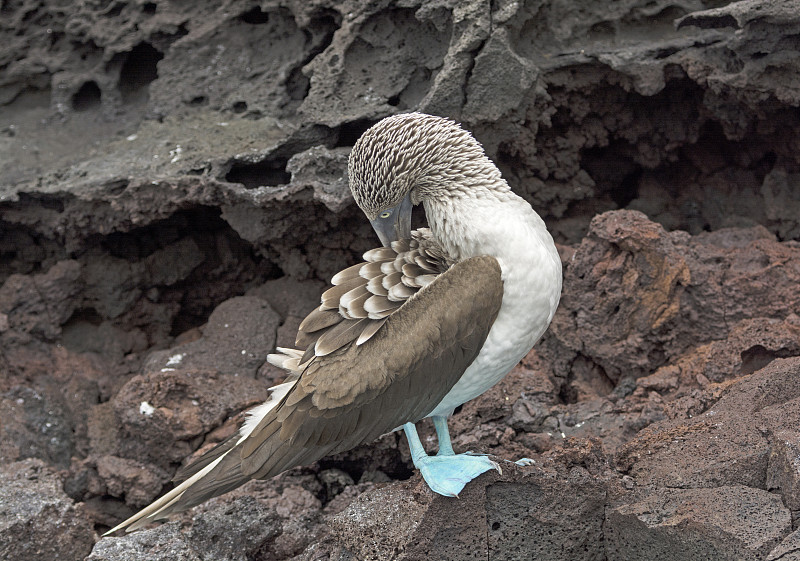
[
  {"x": 554, "y": 511},
  {"x": 173, "y": 199},
  {"x": 733, "y": 522},
  {"x": 664, "y": 293},
  {"x": 788, "y": 550},
  {"x": 37, "y": 520},
  {"x": 729, "y": 442},
  {"x": 236, "y": 532}
]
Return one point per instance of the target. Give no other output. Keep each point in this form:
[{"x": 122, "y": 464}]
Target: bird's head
[{"x": 406, "y": 159}]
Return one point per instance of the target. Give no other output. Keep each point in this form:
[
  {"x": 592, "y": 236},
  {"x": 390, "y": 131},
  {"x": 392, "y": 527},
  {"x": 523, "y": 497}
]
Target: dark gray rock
[
  {"x": 236, "y": 340},
  {"x": 231, "y": 51},
  {"x": 234, "y": 532},
  {"x": 788, "y": 549},
  {"x": 38, "y": 522},
  {"x": 261, "y": 520},
  {"x": 36, "y": 424},
  {"x": 325, "y": 171},
  {"x": 164, "y": 542},
  {"x": 341, "y": 88}
]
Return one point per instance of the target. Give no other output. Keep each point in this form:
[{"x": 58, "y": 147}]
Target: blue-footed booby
[{"x": 430, "y": 320}]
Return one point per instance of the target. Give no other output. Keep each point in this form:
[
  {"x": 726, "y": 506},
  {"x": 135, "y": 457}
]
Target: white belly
[{"x": 531, "y": 291}]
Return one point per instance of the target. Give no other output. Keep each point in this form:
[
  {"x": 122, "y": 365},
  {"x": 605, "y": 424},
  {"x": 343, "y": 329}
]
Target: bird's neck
[{"x": 483, "y": 220}]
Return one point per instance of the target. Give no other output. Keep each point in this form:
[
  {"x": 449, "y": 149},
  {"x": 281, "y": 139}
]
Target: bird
[{"x": 429, "y": 320}]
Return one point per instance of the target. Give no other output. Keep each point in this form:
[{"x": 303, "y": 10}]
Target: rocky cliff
[{"x": 173, "y": 198}]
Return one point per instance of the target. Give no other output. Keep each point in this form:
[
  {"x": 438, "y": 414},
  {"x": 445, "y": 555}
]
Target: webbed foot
[{"x": 447, "y": 475}]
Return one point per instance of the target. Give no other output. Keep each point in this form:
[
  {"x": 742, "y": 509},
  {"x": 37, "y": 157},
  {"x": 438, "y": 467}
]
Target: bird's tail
[
  {"x": 216, "y": 472},
  {"x": 171, "y": 502}
]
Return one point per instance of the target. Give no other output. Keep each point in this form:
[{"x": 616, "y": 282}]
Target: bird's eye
[{"x": 386, "y": 214}]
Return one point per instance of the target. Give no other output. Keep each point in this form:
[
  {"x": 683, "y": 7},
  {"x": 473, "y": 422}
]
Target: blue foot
[
  {"x": 525, "y": 462},
  {"x": 447, "y": 475}
]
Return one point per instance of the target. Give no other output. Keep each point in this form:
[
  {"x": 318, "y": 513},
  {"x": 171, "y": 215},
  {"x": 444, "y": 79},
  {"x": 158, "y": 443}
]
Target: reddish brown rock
[
  {"x": 728, "y": 443},
  {"x": 659, "y": 294},
  {"x": 749, "y": 346},
  {"x": 723, "y": 523},
  {"x": 163, "y": 416}
]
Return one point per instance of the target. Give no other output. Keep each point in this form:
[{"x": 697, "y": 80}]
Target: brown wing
[
  {"x": 362, "y": 391},
  {"x": 357, "y": 392}
]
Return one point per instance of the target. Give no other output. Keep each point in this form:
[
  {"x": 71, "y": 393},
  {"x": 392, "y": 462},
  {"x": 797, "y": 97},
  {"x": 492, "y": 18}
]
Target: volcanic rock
[{"x": 37, "y": 520}]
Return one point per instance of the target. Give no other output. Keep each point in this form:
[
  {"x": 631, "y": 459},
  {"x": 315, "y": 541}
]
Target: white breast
[{"x": 531, "y": 272}]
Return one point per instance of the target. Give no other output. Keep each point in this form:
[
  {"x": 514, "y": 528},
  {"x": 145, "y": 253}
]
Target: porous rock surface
[
  {"x": 173, "y": 199},
  {"x": 37, "y": 519}
]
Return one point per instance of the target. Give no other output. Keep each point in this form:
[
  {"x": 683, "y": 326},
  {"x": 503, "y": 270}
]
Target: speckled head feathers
[{"x": 424, "y": 154}]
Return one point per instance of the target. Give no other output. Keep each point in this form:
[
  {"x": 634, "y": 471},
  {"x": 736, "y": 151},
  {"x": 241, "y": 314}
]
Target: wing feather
[
  {"x": 319, "y": 319},
  {"x": 389, "y": 277},
  {"x": 331, "y": 297},
  {"x": 369, "y": 331},
  {"x": 378, "y": 306},
  {"x": 375, "y": 286},
  {"x": 346, "y": 274},
  {"x": 380, "y": 254},
  {"x": 335, "y": 338},
  {"x": 400, "y": 292},
  {"x": 352, "y": 303}
]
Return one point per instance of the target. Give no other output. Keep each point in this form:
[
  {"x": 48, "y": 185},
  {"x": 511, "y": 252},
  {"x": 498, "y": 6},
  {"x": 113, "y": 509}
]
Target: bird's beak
[{"x": 397, "y": 225}]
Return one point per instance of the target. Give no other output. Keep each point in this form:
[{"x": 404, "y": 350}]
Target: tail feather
[
  {"x": 220, "y": 449},
  {"x": 169, "y": 503},
  {"x": 215, "y": 473},
  {"x": 285, "y": 358}
]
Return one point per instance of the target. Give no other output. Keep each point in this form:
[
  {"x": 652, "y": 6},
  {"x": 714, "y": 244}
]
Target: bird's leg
[
  {"x": 446, "y": 473},
  {"x": 443, "y": 434},
  {"x": 446, "y": 446}
]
